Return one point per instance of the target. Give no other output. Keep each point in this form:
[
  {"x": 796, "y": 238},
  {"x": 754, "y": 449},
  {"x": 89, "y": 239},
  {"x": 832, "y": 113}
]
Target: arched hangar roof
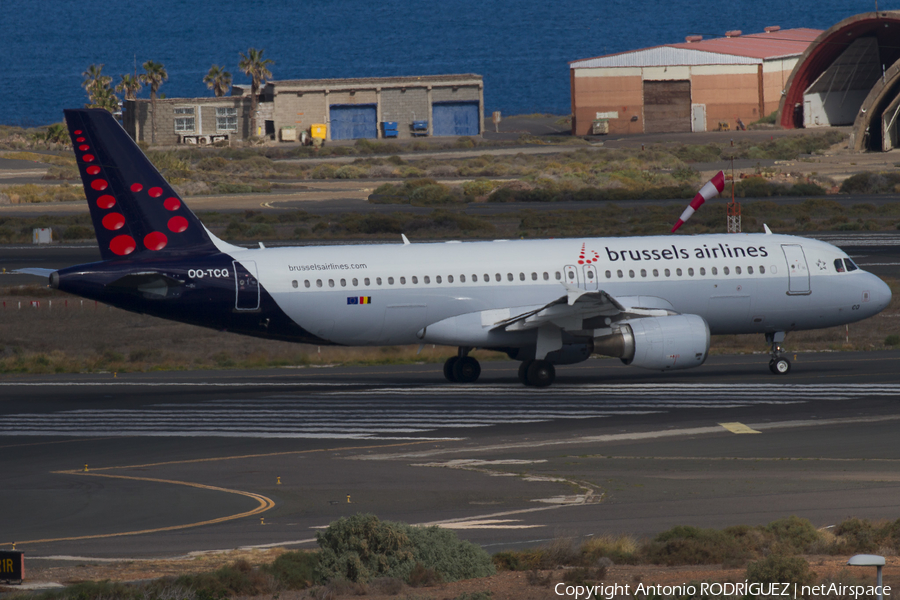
[{"x": 882, "y": 25}]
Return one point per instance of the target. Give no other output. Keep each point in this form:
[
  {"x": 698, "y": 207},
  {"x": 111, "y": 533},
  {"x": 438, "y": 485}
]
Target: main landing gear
[
  {"x": 779, "y": 364},
  {"x": 537, "y": 373},
  {"x": 462, "y": 368}
]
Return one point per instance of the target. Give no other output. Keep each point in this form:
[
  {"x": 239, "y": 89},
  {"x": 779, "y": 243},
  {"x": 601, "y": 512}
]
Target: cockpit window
[
  {"x": 851, "y": 266},
  {"x": 839, "y": 265}
]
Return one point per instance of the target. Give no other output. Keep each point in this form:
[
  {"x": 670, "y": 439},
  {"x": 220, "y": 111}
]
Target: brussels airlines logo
[{"x": 583, "y": 257}]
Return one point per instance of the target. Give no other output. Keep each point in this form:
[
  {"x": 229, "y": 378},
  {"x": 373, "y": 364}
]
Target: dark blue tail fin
[{"x": 135, "y": 211}]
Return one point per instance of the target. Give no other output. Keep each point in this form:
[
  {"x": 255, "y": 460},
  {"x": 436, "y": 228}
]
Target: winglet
[
  {"x": 573, "y": 292},
  {"x": 405, "y": 240},
  {"x": 768, "y": 231}
]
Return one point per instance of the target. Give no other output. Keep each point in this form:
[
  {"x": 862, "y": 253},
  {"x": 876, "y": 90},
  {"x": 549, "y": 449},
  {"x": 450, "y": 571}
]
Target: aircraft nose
[{"x": 881, "y": 294}]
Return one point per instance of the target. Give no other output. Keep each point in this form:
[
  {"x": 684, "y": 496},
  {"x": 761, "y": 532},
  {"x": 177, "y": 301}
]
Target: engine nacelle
[{"x": 659, "y": 343}]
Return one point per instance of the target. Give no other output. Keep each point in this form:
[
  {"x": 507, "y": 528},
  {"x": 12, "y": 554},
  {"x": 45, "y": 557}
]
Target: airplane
[{"x": 652, "y": 302}]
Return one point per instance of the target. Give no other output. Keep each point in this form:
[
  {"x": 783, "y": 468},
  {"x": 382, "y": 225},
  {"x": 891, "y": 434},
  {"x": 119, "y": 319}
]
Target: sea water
[{"x": 521, "y": 48}]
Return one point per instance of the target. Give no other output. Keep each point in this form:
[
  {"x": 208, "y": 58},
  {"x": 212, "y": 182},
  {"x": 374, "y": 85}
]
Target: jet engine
[{"x": 659, "y": 343}]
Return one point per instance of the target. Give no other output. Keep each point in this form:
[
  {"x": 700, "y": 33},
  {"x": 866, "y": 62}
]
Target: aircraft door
[
  {"x": 570, "y": 274},
  {"x": 798, "y": 271},
  {"x": 590, "y": 277},
  {"x": 246, "y": 285}
]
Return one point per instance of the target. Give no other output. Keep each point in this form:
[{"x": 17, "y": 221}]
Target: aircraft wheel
[
  {"x": 780, "y": 366},
  {"x": 466, "y": 370},
  {"x": 541, "y": 373},
  {"x": 448, "y": 368},
  {"x": 523, "y": 371}
]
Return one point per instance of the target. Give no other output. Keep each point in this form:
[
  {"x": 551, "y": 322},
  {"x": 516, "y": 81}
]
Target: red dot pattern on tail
[
  {"x": 136, "y": 187},
  {"x": 114, "y": 221},
  {"x": 106, "y": 201},
  {"x": 99, "y": 184},
  {"x": 122, "y": 245},
  {"x": 177, "y": 224},
  {"x": 172, "y": 203},
  {"x": 155, "y": 240},
  {"x": 93, "y": 170}
]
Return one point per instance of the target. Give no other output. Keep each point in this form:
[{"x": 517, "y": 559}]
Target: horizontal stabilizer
[{"x": 34, "y": 271}]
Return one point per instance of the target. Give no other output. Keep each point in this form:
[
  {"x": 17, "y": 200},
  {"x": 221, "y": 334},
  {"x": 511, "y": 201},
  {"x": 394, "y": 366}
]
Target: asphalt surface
[{"x": 179, "y": 462}]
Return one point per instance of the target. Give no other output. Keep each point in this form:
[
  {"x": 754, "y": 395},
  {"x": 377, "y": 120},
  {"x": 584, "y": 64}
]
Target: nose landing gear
[
  {"x": 462, "y": 368},
  {"x": 779, "y": 364}
]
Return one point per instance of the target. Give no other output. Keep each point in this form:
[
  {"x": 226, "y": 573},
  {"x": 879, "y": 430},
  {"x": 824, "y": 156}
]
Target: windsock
[{"x": 711, "y": 188}]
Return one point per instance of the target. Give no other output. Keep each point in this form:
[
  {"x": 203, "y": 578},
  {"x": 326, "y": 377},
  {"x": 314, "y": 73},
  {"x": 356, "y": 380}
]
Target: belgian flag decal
[{"x": 359, "y": 300}]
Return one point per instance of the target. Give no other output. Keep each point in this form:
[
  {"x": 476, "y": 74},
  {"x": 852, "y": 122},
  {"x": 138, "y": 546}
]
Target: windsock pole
[{"x": 710, "y": 189}]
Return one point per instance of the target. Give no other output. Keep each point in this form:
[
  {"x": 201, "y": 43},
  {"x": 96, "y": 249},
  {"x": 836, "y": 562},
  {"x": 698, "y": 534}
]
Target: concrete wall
[
  {"x": 728, "y": 92},
  {"x": 618, "y": 90},
  {"x": 137, "y": 120}
]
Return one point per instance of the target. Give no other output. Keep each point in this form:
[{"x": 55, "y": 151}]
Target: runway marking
[
  {"x": 264, "y": 505},
  {"x": 738, "y": 428},
  {"x": 413, "y": 413}
]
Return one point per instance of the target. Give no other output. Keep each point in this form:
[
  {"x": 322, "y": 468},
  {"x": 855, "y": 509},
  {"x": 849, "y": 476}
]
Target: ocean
[{"x": 522, "y": 48}]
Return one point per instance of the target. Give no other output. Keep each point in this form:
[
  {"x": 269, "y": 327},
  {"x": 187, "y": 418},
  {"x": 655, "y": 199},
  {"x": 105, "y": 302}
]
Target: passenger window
[
  {"x": 691, "y": 271},
  {"x": 462, "y": 278},
  {"x": 497, "y": 277},
  {"x": 487, "y": 278},
  {"x": 667, "y": 272},
  {"x": 390, "y": 281},
  {"x": 318, "y": 283},
  {"x": 558, "y": 276},
  {"x": 437, "y": 279},
  {"x": 355, "y": 282},
  {"x": 534, "y": 276},
  {"x": 737, "y": 270},
  {"x": 366, "y": 281},
  {"x": 295, "y": 284},
  {"x": 403, "y": 281},
  {"x": 725, "y": 270},
  {"x": 619, "y": 273},
  {"x": 378, "y": 280},
  {"x": 702, "y": 271},
  {"x": 631, "y": 273},
  {"x": 608, "y": 274},
  {"x": 426, "y": 279},
  {"x": 762, "y": 270},
  {"x": 749, "y": 270},
  {"x": 306, "y": 283},
  {"x": 571, "y": 275},
  {"x": 643, "y": 272},
  {"x": 449, "y": 278},
  {"x": 851, "y": 266},
  {"x": 715, "y": 271},
  {"x": 546, "y": 276},
  {"x": 839, "y": 265},
  {"x": 415, "y": 279},
  {"x": 678, "y": 271},
  {"x": 331, "y": 283},
  {"x": 521, "y": 276},
  {"x": 656, "y": 272},
  {"x": 509, "y": 276},
  {"x": 343, "y": 283},
  {"x": 590, "y": 274}
]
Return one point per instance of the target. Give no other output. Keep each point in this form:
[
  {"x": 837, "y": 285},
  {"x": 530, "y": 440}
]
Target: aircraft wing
[{"x": 578, "y": 308}]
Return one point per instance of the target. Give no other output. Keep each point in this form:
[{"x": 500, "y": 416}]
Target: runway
[{"x": 186, "y": 461}]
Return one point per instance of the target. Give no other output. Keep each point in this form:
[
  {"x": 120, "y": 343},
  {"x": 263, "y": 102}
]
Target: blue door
[
  {"x": 353, "y": 121},
  {"x": 455, "y": 118}
]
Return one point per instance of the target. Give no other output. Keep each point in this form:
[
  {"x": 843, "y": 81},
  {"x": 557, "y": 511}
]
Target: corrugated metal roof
[{"x": 744, "y": 50}]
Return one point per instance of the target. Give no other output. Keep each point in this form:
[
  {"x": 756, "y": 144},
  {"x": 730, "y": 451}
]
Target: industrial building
[
  {"x": 697, "y": 85},
  {"x": 369, "y": 108},
  {"x": 850, "y": 75}
]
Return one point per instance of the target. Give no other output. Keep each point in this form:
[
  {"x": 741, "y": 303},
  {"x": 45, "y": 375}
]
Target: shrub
[
  {"x": 295, "y": 570},
  {"x": 794, "y": 533},
  {"x": 362, "y": 547},
  {"x": 777, "y": 568},
  {"x": 685, "y": 545},
  {"x": 892, "y": 340},
  {"x": 324, "y": 172},
  {"x": 478, "y": 187},
  {"x": 431, "y": 194}
]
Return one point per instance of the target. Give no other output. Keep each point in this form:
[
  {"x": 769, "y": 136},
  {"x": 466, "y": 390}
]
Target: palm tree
[
  {"x": 131, "y": 85},
  {"x": 57, "y": 134},
  {"x": 154, "y": 76},
  {"x": 100, "y": 94},
  {"x": 253, "y": 65},
  {"x": 218, "y": 80}
]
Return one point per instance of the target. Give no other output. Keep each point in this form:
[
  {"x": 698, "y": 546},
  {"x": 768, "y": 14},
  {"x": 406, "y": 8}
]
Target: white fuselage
[{"x": 399, "y": 294}]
